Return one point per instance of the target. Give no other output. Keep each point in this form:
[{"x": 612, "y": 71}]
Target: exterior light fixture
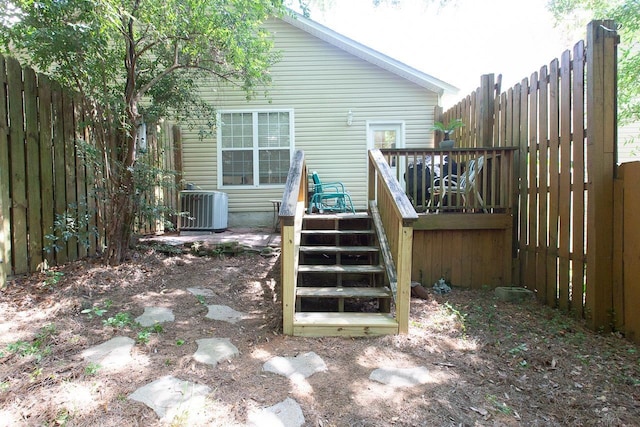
[{"x": 349, "y": 118}]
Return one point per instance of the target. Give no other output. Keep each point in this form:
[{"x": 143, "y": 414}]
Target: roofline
[{"x": 368, "y": 54}]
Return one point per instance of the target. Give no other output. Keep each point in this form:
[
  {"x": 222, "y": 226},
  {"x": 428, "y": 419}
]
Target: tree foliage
[
  {"x": 626, "y": 13},
  {"x": 139, "y": 60}
]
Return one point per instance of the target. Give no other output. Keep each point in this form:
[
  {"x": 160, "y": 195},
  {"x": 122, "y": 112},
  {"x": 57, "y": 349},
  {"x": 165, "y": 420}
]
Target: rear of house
[{"x": 331, "y": 97}]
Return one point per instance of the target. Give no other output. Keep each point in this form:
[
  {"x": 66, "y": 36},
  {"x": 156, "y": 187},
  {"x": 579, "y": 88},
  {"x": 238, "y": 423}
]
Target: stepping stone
[
  {"x": 303, "y": 365},
  {"x": 201, "y": 292},
  {"x": 397, "y": 377},
  {"x": 284, "y": 414},
  {"x": 213, "y": 350},
  {"x": 112, "y": 354},
  {"x": 153, "y": 315},
  {"x": 170, "y": 397},
  {"x": 224, "y": 313}
]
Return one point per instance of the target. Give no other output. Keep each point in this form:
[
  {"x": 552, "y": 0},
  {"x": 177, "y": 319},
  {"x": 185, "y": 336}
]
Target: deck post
[
  {"x": 403, "y": 266},
  {"x": 601, "y": 154}
]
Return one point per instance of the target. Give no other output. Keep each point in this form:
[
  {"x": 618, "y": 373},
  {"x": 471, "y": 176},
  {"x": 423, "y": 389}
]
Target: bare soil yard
[{"x": 492, "y": 363}]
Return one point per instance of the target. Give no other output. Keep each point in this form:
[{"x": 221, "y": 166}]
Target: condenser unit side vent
[{"x": 204, "y": 210}]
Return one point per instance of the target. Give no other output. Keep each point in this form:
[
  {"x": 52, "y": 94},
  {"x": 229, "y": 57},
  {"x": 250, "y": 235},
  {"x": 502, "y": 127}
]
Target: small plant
[
  {"x": 94, "y": 311},
  {"x": 145, "y": 334},
  {"x": 92, "y": 369},
  {"x": 201, "y": 299},
  {"x": 53, "y": 277},
  {"x": 4, "y": 386},
  {"x": 179, "y": 343},
  {"x": 74, "y": 222},
  {"x": 35, "y": 374},
  {"x": 120, "y": 320},
  {"x": 520, "y": 348},
  {"x": 460, "y": 316},
  {"x": 37, "y": 348},
  {"x": 501, "y": 406},
  {"x": 448, "y": 128}
]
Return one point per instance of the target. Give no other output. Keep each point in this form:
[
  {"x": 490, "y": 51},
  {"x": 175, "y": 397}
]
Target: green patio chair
[{"x": 329, "y": 197}]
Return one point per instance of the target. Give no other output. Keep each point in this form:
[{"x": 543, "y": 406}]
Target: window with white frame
[{"x": 254, "y": 147}]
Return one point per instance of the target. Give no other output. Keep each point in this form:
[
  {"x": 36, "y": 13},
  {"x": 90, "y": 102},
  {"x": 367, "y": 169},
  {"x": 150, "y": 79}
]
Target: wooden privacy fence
[
  {"x": 44, "y": 176},
  {"x": 563, "y": 119}
]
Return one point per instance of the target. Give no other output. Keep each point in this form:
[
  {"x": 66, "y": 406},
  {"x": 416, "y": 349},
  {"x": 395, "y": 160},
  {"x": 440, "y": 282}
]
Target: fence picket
[
  {"x": 534, "y": 188},
  {"x": 5, "y": 201},
  {"x": 554, "y": 180},
  {"x": 578, "y": 183},
  {"x": 564, "y": 204},
  {"x": 59, "y": 184},
  {"x": 543, "y": 185},
  {"x": 69, "y": 166},
  {"x": 46, "y": 161},
  {"x": 32, "y": 144},
  {"x": 18, "y": 169},
  {"x": 80, "y": 172}
]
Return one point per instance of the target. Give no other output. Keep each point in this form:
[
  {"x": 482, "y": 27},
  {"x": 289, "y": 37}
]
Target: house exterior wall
[{"x": 321, "y": 84}]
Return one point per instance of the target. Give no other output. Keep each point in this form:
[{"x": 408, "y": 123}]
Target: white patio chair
[{"x": 462, "y": 185}]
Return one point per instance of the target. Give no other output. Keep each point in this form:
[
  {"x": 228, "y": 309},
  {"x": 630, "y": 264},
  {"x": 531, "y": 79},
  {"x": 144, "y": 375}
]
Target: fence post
[
  {"x": 486, "y": 99},
  {"x": 601, "y": 103}
]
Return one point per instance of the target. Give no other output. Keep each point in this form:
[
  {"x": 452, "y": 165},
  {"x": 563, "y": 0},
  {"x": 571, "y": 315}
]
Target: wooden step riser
[{"x": 343, "y": 324}]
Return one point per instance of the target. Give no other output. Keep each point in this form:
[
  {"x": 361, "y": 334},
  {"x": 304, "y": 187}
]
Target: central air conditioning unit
[{"x": 203, "y": 210}]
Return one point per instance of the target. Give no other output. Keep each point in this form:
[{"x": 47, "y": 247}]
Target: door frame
[{"x": 398, "y": 125}]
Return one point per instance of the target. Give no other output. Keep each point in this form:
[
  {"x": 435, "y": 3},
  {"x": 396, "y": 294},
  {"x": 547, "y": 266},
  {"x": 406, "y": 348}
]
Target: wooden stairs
[{"x": 342, "y": 288}]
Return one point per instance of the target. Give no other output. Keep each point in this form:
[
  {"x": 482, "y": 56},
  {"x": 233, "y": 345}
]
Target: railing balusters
[{"x": 437, "y": 195}]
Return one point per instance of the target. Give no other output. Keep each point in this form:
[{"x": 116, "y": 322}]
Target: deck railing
[
  {"x": 388, "y": 202},
  {"x": 442, "y": 181},
  {"x": 294, "y": 202}
]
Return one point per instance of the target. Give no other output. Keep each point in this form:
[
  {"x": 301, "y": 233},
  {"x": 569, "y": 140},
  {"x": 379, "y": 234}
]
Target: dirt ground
[{"x": 492, "y": 363}]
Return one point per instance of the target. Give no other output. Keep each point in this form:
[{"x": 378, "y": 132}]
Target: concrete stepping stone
[
  {"x": 213, "y": 350},
  {"x": 303, "y": 365},
  {"x": 170, "y": 397},
  {"x": 224, "y": 313},
  {"x": 399, "y": 377},
  {"x": 201, "y": 292},
  {"x": 284, "y": 414},
  {"x": 153, "y": 315},
  {"x": 112, "y": 354}
]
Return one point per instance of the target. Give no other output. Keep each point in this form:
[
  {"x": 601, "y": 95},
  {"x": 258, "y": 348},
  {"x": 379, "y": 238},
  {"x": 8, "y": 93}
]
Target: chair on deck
[
  {"x": 463, "y": 184},
  {"x": 329, "y": 197}
]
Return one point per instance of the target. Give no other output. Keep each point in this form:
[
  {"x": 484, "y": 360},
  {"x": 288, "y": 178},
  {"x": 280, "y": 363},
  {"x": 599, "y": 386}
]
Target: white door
[{"x": 388, "y": 135}]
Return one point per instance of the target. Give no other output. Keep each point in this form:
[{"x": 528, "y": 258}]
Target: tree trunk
[{"x": 120, "y": 222}]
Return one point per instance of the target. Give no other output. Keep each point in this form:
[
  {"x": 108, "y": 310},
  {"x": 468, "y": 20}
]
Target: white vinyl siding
[{"x": 320, "y": 83}]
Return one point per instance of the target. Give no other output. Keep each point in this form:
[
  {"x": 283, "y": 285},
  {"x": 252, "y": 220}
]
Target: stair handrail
[
  {"x": 294, "y": 201},
  {"x": 397, "y": 216}
]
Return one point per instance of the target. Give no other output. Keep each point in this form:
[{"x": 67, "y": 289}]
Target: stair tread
[
  {"x": 344, "y": 319},
  {"x": 333, "y": 216},
  {"x": 307, "y": 248},
  {"x": 334, "y": 232},
  {"x": 306, "y": 268},
  {"x": 347, "y": 292}
]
